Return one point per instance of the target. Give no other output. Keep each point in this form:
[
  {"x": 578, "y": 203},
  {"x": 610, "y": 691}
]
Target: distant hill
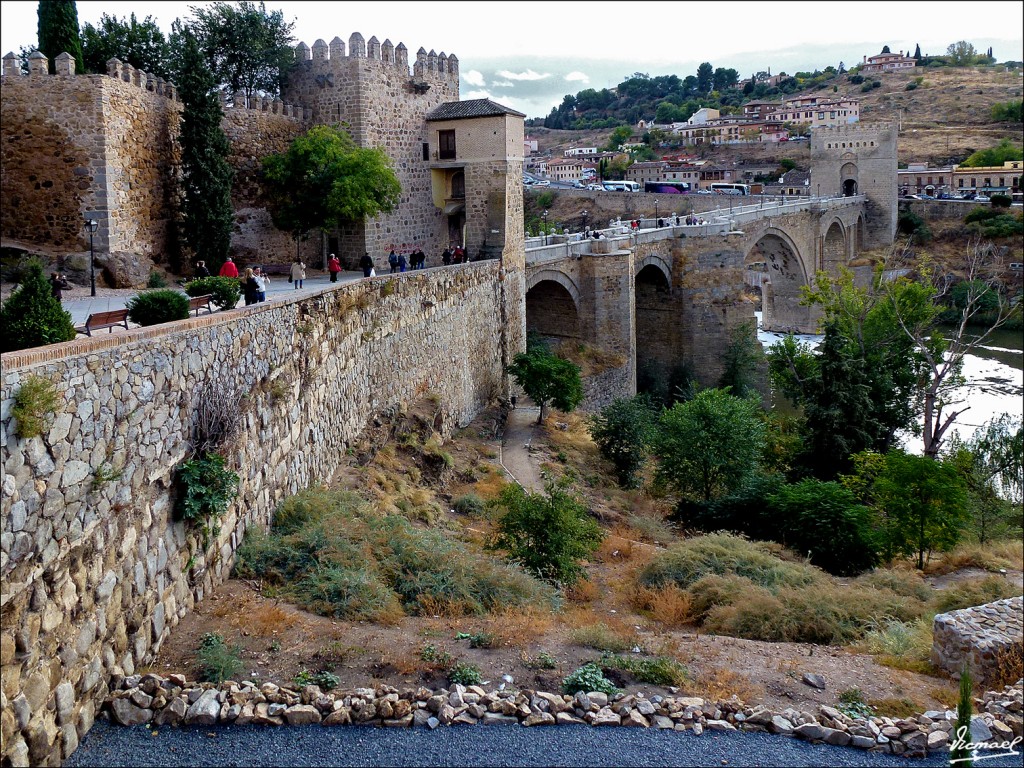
[{"x": 945, "y": 116}]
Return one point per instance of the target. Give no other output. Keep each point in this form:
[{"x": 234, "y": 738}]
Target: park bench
[
  {"x": 200, "y": 302},
  {"x": 276, "y": 269},
  {"x": 99, "y": 320}
]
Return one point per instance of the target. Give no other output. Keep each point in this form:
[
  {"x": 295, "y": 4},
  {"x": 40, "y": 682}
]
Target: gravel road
[{"x": 111, "y": 745}]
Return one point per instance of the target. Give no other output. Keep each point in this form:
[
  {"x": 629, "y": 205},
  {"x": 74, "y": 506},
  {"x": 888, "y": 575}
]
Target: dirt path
[{"x": 516, "y": 455}]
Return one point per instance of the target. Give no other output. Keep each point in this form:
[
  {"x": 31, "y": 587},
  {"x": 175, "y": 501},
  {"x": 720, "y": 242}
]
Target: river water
[{"x": 994, "y": 374}]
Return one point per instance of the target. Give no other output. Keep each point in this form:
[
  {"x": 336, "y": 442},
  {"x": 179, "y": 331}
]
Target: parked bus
[
  {"x": 621, "y": 186},
  {"x": 668, "y": 187},
  {"x": 722, "y": 188}
]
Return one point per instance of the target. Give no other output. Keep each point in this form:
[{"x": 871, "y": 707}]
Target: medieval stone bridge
[{"x": 675, "y": 294}]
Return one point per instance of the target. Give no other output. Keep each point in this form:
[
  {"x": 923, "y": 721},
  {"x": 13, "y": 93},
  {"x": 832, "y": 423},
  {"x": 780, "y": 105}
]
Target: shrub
[
  {"x": 601, "y": 637},
  {"x": 324, "y": 678},
  {"x": 206, "y": 487},
  {"x": 1001, "y": 201},
  {"x": 464, "y": 674},
  {"x": 225, "y": 291},
  {"x": 32, "y": 316},
  {"x": 547, "y": 534},
  {"x": 588, "y": 678},
  {"x": 332, "y": 554},
  {"x": 34, "y": 404},
  {"x": 155, "y": 307},
  {"x": 469, "y": 504},
  {"x": 217, "y": 661},
  {"x": 909, "y": 223},
  {"x": 972, "y": 592},
  {"x": 156, "y": 280},
  {"x": 659, "y": 670},
  {"x": 623, "y": 432},
  {"x": 689, "y": 561}
]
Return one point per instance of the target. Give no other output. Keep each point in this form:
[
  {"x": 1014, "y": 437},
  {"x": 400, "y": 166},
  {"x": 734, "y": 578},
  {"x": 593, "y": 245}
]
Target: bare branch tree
[{"x": 944, "y": 350}]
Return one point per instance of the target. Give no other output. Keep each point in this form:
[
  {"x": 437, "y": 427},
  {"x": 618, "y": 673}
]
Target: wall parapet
[{"x": 426, "y": 64}]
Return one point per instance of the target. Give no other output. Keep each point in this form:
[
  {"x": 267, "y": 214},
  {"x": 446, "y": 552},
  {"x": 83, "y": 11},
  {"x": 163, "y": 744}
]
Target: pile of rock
[{"x": 172, "y": 700}]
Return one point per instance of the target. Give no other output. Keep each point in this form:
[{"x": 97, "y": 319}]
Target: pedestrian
[
  {"x": 228, "y": 268},
  {"x": 261, "y": 284},
  {"x": 402, "y": 264},
  {"x": 298, "y": 273},
  {"x": 421, "y": 258},
  {"x": 446, "y": 256},
  {"x": 366, "y": 264},
  {"x": 59, "y": 284},
  {"x": 334, "y": 267},
  {"x": 201, "y": 270},
  {"x": 392, "y": 261},
  {"x": 250, "y": 287},
  {"x": 512, "y": 400}
]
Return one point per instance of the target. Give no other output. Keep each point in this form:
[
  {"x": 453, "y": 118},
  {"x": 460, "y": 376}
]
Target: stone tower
[
  {"x": 859, "y": 159},
  {"x": 370, "y": 91}
]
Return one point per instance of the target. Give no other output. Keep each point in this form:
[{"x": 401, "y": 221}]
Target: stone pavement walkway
[{"x": 80, "y": 304}]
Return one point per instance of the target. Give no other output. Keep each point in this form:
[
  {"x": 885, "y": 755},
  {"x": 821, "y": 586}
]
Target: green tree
[
  {"x": 206, "y": 176},
  {"x": 246, "y": 48},
  {"x": 992, "y": 465},
  {"x": 708, "y": 445},
  {"x": 547, "y": 378},
  {"x": 923, "y": 502},
  {"x": 58, "y": 31},
  {"x": 623, "y": 432},
  {"x": 324, "y": 180},
  {"x": 140, "y": 44},
  {"x": 705, "y": 78},
  {"x": 742, "y": 361},
  {"x": 917, "y": 52},
  {"x": 994, "y": 156},
  {"x": 1008, "y": 112},
  {"x": 548, "y": 534},
  {"x": 33, "y": 316},
  {"x": 961, "y": 54},
  {"x": 619, "y": 136},
  {"x": 959, "y": 755}
]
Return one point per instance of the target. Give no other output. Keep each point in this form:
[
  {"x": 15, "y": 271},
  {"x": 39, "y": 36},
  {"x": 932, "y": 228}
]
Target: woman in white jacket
[{"x": 298, "y": 273}]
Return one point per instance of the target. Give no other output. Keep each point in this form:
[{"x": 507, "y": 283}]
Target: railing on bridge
[{"x": 722, "y": 221}]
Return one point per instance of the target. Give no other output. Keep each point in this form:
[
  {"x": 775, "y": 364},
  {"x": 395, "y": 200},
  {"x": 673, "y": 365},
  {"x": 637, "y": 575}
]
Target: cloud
[
  {"x": 481, "y": 94},
  {"x": 527, "y": 75},
  {"x": 473, "y": 77},
  {"x": 576, "y": 77},
  {"x": 502, "y": 84}
]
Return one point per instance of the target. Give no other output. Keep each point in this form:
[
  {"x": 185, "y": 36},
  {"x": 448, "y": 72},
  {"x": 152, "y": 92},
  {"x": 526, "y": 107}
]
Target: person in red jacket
[
  {"x": 334, "y": 267},
  {"x": 228, "y": 269}
]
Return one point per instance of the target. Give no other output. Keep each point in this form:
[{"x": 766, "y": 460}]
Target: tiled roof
[{"x": 459, "y": 110}]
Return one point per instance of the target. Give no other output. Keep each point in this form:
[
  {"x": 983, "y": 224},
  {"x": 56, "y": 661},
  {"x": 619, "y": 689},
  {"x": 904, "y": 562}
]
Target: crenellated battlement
[
  {"x": 238, "y": 102},
  {"x": 427, "y": 64}
]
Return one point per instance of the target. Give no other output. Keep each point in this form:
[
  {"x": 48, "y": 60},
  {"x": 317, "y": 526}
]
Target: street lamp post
[
  {"x": 585, "y": 233},
  {"x": 92, "y": 225},
  {"x": 544, "y": 225},
  {"x": 655, "y": 213}
]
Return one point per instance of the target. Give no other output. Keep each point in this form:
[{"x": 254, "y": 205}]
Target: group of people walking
[{"x": 399, "y": 263}]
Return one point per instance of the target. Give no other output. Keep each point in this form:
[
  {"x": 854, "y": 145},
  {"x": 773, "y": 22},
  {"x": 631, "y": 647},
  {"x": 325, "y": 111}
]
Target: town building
[{"x": 888, "y": 62}]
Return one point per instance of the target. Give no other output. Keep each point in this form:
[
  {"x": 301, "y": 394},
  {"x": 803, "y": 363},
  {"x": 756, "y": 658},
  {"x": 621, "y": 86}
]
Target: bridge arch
[
  {"x": 786, "y": 272},
  {"x": 657, "y": 324},
  {"x": 657, "y": 262},
  {"x": 834, "y": 247},
  {"x": 552, "y": 305}
]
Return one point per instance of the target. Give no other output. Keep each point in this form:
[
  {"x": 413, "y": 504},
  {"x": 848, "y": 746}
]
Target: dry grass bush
[
  {"x": 582, "y": 591},
  {"x": 490, "y": 486},
  {"x": 901, "y": 645},
  {"x": 991, "y": 556},
  {"x": 717, "y": 684},
  {"x": 669, "y": 605},
  {"x": 611, "y": 635},
  {"x": 654, "y": 530},
  {"x": 1008, "y": 667},
  {"x": 266, "y": 620},
  {"x": 972, "y": 592},
  {"x": 591, "y": 360},
  {"x": 520, "y": 627},
  {"x": 896, "y": 708},
  {"x": 947, "y": 696},
  {"x": 614, "y": 548},
  {"x": 906, "y": 583}
]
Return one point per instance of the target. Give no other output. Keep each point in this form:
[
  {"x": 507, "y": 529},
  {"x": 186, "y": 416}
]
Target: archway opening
[
  {"x": 660, "y": 368},
  {"x": 849, "y": 188},
  {"x": 781, "y": 310},
  {"x": 552, "y": 313},
  {"x": 833, "y": 253}
]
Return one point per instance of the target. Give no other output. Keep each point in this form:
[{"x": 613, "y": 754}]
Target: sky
[{"x": 529, "y": 55}]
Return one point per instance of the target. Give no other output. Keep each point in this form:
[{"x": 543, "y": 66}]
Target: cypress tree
[
  {"x": 206, "y": 174},
  {"x": 33, "y": 316},
  {"x": 58, "y": 32},
  {"x": 917, "y": 52}
]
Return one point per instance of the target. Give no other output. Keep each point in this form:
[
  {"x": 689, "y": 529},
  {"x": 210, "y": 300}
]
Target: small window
[
  {"x": 426, "y": 150},
  {"x": 446, "y": 145}
]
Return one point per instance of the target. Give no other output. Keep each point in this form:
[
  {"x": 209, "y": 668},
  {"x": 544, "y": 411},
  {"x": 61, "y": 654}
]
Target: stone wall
[
  {"x": 979, "y": 637},
  {"x": 96, "y": 570}
]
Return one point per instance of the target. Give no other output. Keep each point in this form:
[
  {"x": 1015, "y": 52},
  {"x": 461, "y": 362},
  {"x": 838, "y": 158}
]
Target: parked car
[
  {"x": 982, "y": 199},
  {"x": 595, "y": 187},
  {"x": 542, "y": 183}
]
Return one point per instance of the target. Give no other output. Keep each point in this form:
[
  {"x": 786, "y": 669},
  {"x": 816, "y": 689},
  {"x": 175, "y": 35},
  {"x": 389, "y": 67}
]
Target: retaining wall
[
  {"x": 979, "y": 637},
  {"x": 95, "y": 569}
]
